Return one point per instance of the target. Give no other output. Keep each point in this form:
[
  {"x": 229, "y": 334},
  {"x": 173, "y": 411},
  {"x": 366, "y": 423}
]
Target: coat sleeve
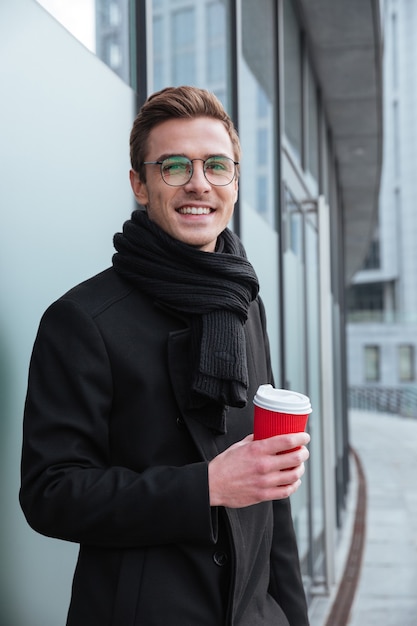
[{"x": 69, "y": 487}]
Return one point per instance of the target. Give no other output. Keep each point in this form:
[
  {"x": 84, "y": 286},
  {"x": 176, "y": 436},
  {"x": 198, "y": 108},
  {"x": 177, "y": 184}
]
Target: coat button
[
  {"x": 220, "y": 558},
  {"x": 180, "y": 423}
]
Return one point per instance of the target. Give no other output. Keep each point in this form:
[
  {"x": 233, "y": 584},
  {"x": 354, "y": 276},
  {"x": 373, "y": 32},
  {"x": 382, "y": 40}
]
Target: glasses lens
[
  {"x": 176, "y": 170},
  {"x": 219, "y": 170}
]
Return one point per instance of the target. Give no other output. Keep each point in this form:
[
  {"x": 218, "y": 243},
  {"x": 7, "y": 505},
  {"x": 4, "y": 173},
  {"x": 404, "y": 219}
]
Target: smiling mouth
[{"x": 194, "y": 210}]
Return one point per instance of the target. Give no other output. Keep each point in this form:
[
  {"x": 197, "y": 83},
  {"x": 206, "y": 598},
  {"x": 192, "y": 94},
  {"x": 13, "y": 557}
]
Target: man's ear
[
  {"x": 139, "y": 188},
  {"x": 236, "y": 183}
]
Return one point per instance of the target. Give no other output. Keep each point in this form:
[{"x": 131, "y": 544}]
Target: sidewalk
[{"x": 387, "y": 589}]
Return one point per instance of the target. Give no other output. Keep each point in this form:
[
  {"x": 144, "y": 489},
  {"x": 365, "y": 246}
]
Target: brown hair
[{"x": 175, "y": 102}]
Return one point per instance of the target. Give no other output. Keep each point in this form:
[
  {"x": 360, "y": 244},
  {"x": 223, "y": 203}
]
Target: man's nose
[{"x": 198, "y": 180}]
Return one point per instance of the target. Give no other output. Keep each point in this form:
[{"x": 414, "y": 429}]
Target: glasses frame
[{"x": 160, "y": 163}]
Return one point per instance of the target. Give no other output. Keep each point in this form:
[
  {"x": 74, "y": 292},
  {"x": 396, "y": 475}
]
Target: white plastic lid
[{"x": 282, "y": 400}]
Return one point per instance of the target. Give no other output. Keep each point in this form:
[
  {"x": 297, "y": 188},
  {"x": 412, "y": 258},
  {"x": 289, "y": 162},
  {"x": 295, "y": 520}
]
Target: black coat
[{"x": 113, "y": 460}]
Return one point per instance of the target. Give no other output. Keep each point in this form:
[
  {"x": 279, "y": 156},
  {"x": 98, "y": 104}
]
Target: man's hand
[{"x": 255, "y": 471}]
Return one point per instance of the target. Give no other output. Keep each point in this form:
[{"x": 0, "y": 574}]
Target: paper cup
[{"x": 279, "y": 411}]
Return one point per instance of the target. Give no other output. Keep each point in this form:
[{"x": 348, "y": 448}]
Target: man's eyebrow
[
  {"x": 168, "y": 155},
  {"x": 208, "y": 155}
]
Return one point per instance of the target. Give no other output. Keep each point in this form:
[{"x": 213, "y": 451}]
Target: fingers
[
  {"x": 283, "y": 443},
  {"x": 282, "y": 469},
  {"x": 280, "y": 492},
  {"x": 255, "y": 471}
]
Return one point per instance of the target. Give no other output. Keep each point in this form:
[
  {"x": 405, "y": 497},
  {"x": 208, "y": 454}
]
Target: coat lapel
[{"x": 179, "y": 370}]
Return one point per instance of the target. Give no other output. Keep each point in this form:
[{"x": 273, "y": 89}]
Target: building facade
[
  {"x": 301, "y": 79},
  {"x": 382, "y": 328}
]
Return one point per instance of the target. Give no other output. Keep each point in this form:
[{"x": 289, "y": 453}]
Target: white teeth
[{"x": 193, "y": 210}]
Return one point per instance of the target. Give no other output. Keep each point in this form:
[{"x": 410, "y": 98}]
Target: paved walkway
[{"x": 387, "y": 589}]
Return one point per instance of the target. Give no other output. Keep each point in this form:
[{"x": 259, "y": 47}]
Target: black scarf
[{"x": 214, "y": 290}]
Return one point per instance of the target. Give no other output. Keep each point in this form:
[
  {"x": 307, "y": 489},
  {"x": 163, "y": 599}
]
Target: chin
[{"x": 202, "y": 245}]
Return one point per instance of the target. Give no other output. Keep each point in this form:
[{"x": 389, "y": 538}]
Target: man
[{"x": 138, "y": 418}]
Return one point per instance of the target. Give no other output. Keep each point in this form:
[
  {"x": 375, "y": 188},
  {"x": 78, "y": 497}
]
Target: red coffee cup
[{"x": 279, "y": 411}]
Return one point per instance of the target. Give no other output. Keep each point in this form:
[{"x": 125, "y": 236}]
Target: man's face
[{"x": 170, "y": 207}]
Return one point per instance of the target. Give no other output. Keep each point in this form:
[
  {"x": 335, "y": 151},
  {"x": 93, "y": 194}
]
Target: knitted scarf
[{"x": 214, "y": 290}]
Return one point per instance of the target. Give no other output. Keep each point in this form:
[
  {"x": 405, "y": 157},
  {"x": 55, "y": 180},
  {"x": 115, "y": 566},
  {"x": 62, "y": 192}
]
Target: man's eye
[
  {"x": 216, "y": 165},
  {"x": 175, "y": 168}
]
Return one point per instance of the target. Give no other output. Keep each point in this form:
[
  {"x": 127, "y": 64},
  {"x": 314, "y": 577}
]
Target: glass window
[
  {"x": 372, "y": 363},
  {"x": 262, "y": 146},
  {"x": 190, "y": 46},
  {"x": 315, "y": 421},
  {"x": 158, "y": 53},
  {"x": 295, "y": 342},
  {"x": 292, "y": 78},
  {"x": 114, "y": 15},
  {"x": 396, "y": 137},
  {"x": 294, "y": 293},
  {"x": 259, "y": 184},
  {"x": 257, "y": 105},
  {"x": 313, "y": 126},
  {"x": 373, "y": 258},
  {"x": 183, "y": 57},
  {"x": 216, "y": 44},
  {"x": 262, "y": 104},
  {"x": 295, "y": 232},
  {"x": 367, "y": 297},
  {"x": 394, "y": 43},
  {"x": 406, "y": 363},
  {"x": 262, "y": 194}
]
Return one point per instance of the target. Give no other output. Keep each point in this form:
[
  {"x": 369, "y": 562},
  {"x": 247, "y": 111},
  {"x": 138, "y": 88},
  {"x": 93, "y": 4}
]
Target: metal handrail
[{"x": 399, "y": 400}]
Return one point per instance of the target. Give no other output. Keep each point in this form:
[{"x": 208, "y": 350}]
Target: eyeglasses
[{"x": 178, "y": 170}]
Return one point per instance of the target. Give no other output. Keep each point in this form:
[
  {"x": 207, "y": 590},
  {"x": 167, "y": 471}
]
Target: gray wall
[{"x": 64, "y": 191}]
